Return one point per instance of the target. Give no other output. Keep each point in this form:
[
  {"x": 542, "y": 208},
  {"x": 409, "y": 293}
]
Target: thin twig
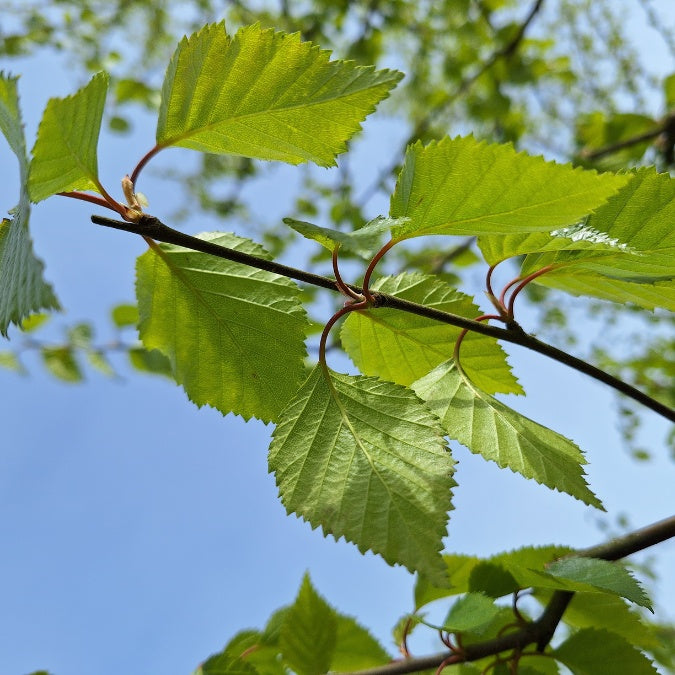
[{"x": 152, "y": 228}]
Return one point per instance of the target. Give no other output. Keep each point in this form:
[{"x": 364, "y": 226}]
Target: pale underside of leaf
[
  {"x": 65, "y": 152},
  {"x": 365, "y": 459},
  {"x": 234, "y": 335},
  {"x": 465, "y": 187},
  {"x": 265, "y": 94},
  {"x": 498, "y": 433},
  {"x": 401, "y": 347},
  {"x": 24, "y": 290}
]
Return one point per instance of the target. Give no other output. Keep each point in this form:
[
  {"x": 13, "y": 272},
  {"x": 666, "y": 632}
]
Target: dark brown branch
[
  {"x": 151, "y": 227},
  {"x": 541, "y": 631}
]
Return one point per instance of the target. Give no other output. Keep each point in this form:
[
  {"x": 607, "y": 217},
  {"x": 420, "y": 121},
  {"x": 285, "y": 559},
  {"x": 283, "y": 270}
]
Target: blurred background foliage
[{"x": 562, "y": 78}]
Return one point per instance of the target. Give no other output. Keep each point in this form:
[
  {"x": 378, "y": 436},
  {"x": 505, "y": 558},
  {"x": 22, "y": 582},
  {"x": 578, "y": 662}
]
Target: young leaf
[
  {"x": 24, "y": 290},
  {"x": 498, "y": 433},
  {"x": 598, "y": 652},
  {"x": 580, "y": 237},
  {"x": 265, "y": 94},
  {"x": 472, "y": 611},
  {"x": 64, "y": 155},
  {"x": 641, "y": 216},
  {"x": 309, "y": 632},
  {"x": 234, "y": 335},
  {"x": 456, "y": 581},
  {"x": 600, "y": 610},
  {"x": 462, "y": 186},
  {"x": 355, "y": 647},
  {"x": 366, "y": 460},
  {"x": 402, "y": 347},
  {"x": 364, "y": 242},
  {"x": 225, "y": 663},
  {"x": 62, "y": 364},
  {"x": 604, "y": 575}
]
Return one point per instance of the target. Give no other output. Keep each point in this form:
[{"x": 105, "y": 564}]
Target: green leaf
[
  {"x": 598, "y": 652},
  {"x": 364, "y": 242},
  {"x": 455, "y": 581},
  {"x": 600, "y": 610},
  {"x": 234, "y": 334},
  {"x": 64, "y": 155},
  {"x": 265, "y": 94},
  {"x": 24, "y": 290},
  {"x": 604, "y": 575},
  {"x": 402, "y": 347},
  {"x": 465, "y": 187},
  {"x": 640, "y": 216},
  {"x": 472, "y": 611},
  {"x": 366, "y": 460},
  {"x": 309, "y": 632},
  {"x": 124, "y": 315},
  {"x": 10, "y": 361},
  {"x": 33, "y": 322},
  {"x": 355, "y": 647},
  {"x": 493, "y": 580},
  {"x": 498, "y": 433},
  {"x": 580, "y": 237},
  {"x": 61, "y": 362},
  {"x": 225, "y": 664},
  {"x": 150, "y": 361},
  {"x": 250, "y": 646}
]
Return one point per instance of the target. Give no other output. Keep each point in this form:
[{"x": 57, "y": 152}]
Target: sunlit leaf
[
  {"x": 364, "y": 459},
  {"x": 124, "y": 315},
  {"x": 64, "y": 155},
  {"x": 24, "y": 290},
  {"x": 489, "y": 428},
  {"x": 309, "y": 632},
  {"x": 463, "y": 186},
  {"x": 355, "y": 647},
  {"x": 471, "y": 612},
  {"x": 150, "y": 361},
  {"x": 402, "y": 347},
  {"x": 234, "y": 334},
  {"x": 598, "y": 652},
  {"x": 265, "y": 94},
  {"x": 605, "y": 575},
  {"x": 365, "y": 241},
  {"x": 61, "y": 362}
]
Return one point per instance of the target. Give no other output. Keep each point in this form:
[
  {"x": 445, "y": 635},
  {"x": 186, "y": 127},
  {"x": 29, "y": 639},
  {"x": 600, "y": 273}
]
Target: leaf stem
[
  {"x": 371, "y": 267},
  {"x": 149, "y": 226},
  {"x": 143, "y": 161},
  {"x": 522, "y": 285},
  {"x": 350, "y": 307},
  {"x": 341, "y": 285},
  {"x": 104, "y": 200}
]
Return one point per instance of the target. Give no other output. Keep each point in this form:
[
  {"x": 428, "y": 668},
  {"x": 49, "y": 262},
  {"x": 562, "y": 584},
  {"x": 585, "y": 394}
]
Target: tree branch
[
  {"x": 628, "y": 142},
  {"x": 541, "y": 631},
  {"x": 149, "y": 226}
]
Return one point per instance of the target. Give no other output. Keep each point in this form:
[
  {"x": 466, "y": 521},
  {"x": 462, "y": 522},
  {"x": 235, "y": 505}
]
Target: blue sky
[{"x": 140, "y": 533}]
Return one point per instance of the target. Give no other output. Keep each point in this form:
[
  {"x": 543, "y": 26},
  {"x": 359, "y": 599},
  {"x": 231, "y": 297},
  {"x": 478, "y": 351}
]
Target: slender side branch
[
  {"x": 628, "y": 142},
  {"x": 540, "y": 631},
  {"x": 153, "y": 228}
]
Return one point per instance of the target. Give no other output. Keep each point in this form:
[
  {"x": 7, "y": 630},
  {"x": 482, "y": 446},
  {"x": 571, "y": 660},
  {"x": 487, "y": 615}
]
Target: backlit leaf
[
  {"x": 64, "y": 155},
  {"x": 265, "y": 94},
  {"x": 598, "y": 652},
  {"x": 355, "y": 647},
  {"x": 61, "y": 362},
  {"x": 466, "y": 187},
  {"x": 604, "y": 575},
  {"x": 366, "y": 460},
  {"x": 402, "y": 347},
  {"x": 24, "y": 290},
  {"x": 471, "y": 612},
  {"x": 234, "y": 334},
  {"x": 640, "y": 216},
  {"x": 489, "y": 428},
  {"x": 309, "y": 632},
  {"x": 365, "y": 241}
]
